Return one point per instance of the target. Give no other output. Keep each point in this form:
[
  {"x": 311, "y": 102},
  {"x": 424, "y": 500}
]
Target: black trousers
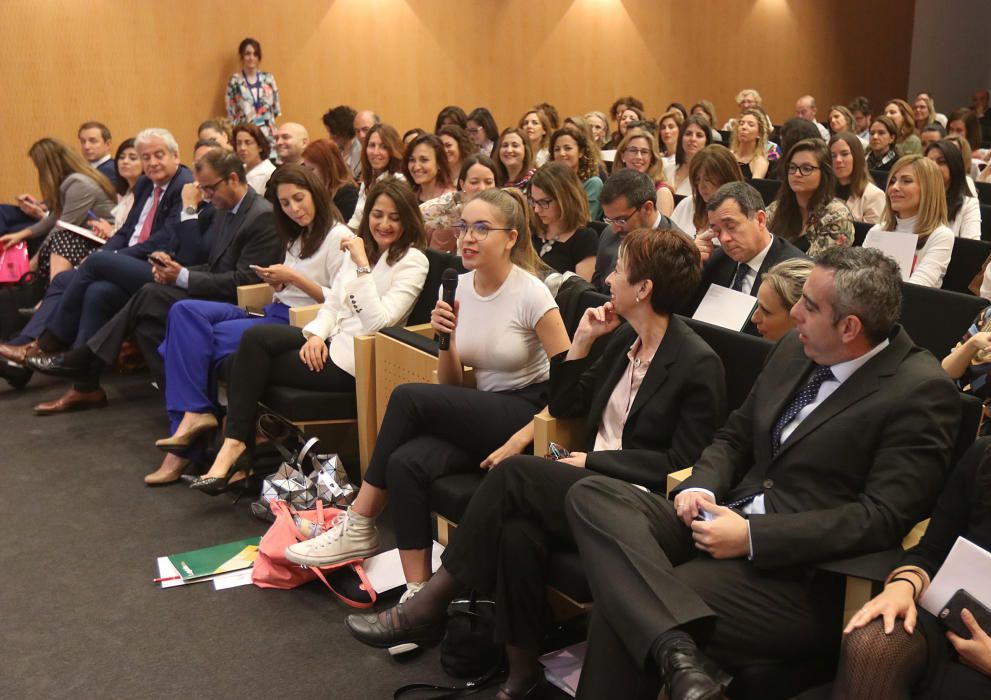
[
  {"x": 269, "y": 356},
  {"x": 430, "y": 430},
  {"x": 647, "y": 578},
  {"x": 513, "y": 523}
]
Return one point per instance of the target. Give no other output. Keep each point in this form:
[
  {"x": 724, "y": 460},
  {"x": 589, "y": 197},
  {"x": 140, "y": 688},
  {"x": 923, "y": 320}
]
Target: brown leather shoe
[
  {"x": 18, "y": 354},
  {"x": 72, "y": 400}
]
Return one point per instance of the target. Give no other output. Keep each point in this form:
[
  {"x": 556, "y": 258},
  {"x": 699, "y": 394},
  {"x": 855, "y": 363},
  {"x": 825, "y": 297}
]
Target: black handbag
[
  {"x": 467, "y": 651},
  {"x": 22, "y": 294}
]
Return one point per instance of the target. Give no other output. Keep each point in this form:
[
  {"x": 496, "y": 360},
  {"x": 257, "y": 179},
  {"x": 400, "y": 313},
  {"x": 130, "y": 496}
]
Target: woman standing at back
[{"x": 252, "y": 95}]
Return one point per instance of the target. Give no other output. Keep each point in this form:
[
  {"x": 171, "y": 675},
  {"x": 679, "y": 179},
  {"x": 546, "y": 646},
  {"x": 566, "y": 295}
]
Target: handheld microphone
[{"x": 449, "y": 281}]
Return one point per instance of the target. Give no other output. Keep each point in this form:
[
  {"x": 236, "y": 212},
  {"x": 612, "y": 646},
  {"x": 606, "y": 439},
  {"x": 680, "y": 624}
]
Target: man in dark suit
[
  {"x": 78, "y": 302},
  {"x": 629, "y": 202},
  {"x": 840, "y": 448},
  {"x": 747, "y": 248},
  {"x": 94, "y": 143},
  {"x": 241, "y": 234}
]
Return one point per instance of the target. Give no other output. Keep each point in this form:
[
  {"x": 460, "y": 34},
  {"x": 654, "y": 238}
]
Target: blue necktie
[{"x": 800, "y": 400}]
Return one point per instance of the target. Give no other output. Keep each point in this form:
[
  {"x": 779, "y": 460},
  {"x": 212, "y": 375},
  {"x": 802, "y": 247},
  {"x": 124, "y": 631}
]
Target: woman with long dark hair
[
  {"x": 806, "y": 212},
  {"x": 963, "y": 212},
  {"x": 324, "y": 158},
  {"x": 382, "y": 156},
  {"x": 201, "y": 334},
  {"x": 380, "y": 277}
]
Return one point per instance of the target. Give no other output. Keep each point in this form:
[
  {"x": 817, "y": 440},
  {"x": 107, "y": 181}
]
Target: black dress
[{"x": 564, "y": 257}]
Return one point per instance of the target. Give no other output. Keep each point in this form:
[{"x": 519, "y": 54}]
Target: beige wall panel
[{"x": 136, "y": 63}]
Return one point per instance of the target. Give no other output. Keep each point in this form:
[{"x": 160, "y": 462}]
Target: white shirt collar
[
  {"x": 101, "y": 161},
  {"x": 755, "y": 262},
  {"x": 844, "y": 370}
]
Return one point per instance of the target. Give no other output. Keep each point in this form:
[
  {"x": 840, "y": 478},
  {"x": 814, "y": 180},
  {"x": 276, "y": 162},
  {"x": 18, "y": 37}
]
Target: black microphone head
[{"x": 449, "y": 279}]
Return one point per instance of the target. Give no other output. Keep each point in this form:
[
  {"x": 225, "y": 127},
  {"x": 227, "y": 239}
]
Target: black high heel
[{"x": 216, "y": 485}]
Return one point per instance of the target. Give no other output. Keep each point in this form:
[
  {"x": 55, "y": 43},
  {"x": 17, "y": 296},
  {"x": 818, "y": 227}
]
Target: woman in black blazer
[{"x": 653, "y": 399}]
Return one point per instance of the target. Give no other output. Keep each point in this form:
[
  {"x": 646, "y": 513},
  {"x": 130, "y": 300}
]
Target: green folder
[{"x": 218, "y": 559}]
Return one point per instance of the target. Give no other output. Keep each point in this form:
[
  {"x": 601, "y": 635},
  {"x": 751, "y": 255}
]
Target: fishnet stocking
[{"x": 876, "y": 666}]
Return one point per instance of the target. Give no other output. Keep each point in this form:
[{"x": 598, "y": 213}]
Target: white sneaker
[
  {"x": 345, "y": 540},
  {"x": 411, "y": 590}
]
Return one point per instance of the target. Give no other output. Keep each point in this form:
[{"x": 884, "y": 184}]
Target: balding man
[
  {"x": 290, "y": 140},
  {"x": 363, "y": 121},
  {"x": 805, "y": 108}
]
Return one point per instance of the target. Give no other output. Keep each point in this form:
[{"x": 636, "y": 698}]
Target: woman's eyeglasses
[{"x": 479, "y": 229}]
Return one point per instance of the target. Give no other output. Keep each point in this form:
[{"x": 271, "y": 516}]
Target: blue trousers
[
  {"x": 199, "y": 335},
  {"x": 98, "y": 289}
]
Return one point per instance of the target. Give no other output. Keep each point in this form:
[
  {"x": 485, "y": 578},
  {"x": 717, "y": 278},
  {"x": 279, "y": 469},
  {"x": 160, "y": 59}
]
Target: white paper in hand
[
  {"x": 725, "y": 307},
  {"x": 967, "y": 566},
  {"x": 894, "y": 244}
]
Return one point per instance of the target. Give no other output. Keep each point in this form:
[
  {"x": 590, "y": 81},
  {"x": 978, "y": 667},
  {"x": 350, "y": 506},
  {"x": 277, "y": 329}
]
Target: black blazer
[
  {"x": 165, "y": 224},
  {"x": 720, "y": 269},
  {"x": 857, "y": 474},
  {"x": 678, "y": 407},
  {"x": 249, "y": 238}
]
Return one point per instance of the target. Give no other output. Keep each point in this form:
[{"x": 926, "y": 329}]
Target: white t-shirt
[
  {"x": 684, "y": 216},
  {"x": 321, "y": 267},
  {"x": 496, "y": 335}
]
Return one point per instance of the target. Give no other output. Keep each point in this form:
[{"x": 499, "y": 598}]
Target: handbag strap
[
  {"x": 365, "y": 584},
  {"x": 453, "y": 691},
  {"x": 309, "y": 445}
]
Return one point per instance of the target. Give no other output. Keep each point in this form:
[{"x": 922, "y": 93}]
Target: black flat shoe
[{"x": 396, "y": 632}]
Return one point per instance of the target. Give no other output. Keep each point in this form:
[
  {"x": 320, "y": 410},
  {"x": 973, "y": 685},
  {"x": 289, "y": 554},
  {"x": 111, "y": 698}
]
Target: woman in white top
[
  {"x": 962, "y": 210},
  {"x": 863, "y": 198},
  {"x": 381, "y": 156},
  {"x": 538, "y": 133},
  {"x": 916, "y": 204},
  {"x": 129, "y": 169},
  {"x": 381, "y": 274},
  {"x": 252, "y": 150},
  {"x": 505, "y": 324},
  {"x": 201, "y": 334},
  {"x": 695, "y": 135},
  {"x": 711, "y": 168}
]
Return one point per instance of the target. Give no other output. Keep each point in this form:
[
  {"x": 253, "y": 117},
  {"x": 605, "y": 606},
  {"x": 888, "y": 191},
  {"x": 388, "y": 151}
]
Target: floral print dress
[
  {"x": 254, "y": 103},
  {"x": 829, "y": 225}
]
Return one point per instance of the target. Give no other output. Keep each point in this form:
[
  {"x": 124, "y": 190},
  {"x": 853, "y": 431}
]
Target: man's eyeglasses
[
  {"x": 540, "y": 203},
  {"x": 209, "y": 190},
  {"x": 622, "y": 220},
  {"x": 479, "y": 229},
  {"x": 805, "y": 169}
]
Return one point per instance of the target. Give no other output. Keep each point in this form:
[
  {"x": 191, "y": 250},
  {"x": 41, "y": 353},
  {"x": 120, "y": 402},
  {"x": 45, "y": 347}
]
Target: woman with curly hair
[{"x": 570, "y": 146}]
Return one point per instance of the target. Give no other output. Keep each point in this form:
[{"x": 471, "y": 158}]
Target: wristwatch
[
  {"x": 364, "y": 269},
  {"x": 191, "y": 211}
]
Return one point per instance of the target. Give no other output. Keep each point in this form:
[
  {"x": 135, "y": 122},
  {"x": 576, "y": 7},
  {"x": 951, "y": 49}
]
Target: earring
[{"x": 638, "y": 298}]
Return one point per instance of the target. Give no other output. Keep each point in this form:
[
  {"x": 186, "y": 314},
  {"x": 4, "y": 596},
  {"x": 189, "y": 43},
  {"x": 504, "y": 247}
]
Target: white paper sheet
[
  {"x": 725, "y": 307},
  {"x": 385, "y": 571},
  {"x": 609, "y": 155},
  {"x": 79, "y": 231},
  {"x": 232, "y": 579},
  {"x": 968, "y": 567},
  {"x": 563, "y": 668},
  {"x": 897, "y": 245}
]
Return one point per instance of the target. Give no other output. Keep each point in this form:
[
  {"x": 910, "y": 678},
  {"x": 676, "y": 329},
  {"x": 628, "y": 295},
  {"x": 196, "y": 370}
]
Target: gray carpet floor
[{"x": 81, "y": 616}]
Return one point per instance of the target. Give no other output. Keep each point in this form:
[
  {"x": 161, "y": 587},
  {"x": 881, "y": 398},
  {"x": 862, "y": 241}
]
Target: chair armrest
[
  {"x": 424, "y": 329},
  {"x": 676, "y": 478},
  {"x": 566, "y": 432},
  {"x": 915, "y": 534},
  {"x": 364, "y": 380},
  {"x": 299, "y": 316},
  {"x": 254, "y": 296}
]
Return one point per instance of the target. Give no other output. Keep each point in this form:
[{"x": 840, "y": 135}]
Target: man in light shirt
[
  {"x": 805, "y": 108},
  {"x": 840, "y": 449}
]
